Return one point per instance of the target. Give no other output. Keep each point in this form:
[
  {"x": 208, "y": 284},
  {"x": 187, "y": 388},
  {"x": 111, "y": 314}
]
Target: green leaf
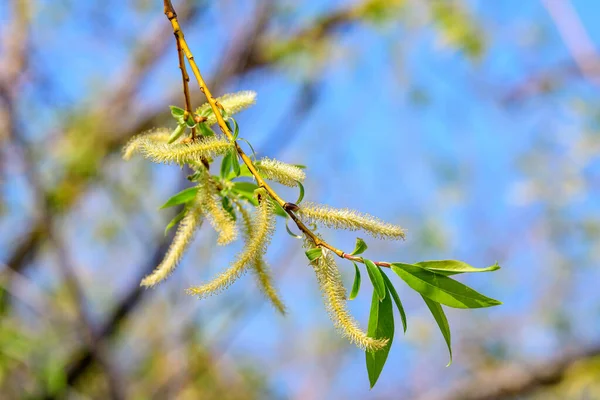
[
  {"x": 176, "y": 220},
  {"x": 441, "y": 289},
  {"x": 177, "y": 113},
  {"x": 206, "y": 130},
  {"x": 381, "y": 325},
  {"x": 251, "y": 148},
  {"x": 246, "y": 191},
  {"x": 453, "y": 267},
  {"x": 301, "y": 195},
  {"x": 182, "y": 197},
  {"x": 235, "y": 163},
  {"x": 392, "y": 291},
  {"x": 314, "y": 254},
  {"x": 227, "y": 206},
  {"x": 440, "y": 317},
  {"x": 226, "y": 164},
  {"x": 190, "y": 121},
  {"x": 177, "y": 133},
  {"x": 356, "y": 284},
  {"x": 376, "y": 278},
  {"x": 289, "y": 231},
  {"x": 360, "y": 247},
  {"x": 236, "y": 129}
]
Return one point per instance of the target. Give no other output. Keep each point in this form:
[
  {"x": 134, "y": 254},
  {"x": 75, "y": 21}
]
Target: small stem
[
  {"x": 184, "y": 77},
  {"x": 172, "y": 16}
]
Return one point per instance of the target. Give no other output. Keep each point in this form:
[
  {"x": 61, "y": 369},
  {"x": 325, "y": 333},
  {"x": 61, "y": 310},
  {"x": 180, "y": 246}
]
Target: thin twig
[{"x": 172, "y": 16}]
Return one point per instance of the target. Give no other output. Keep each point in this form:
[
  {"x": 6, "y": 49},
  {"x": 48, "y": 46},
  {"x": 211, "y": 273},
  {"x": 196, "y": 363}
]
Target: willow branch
[
  {"x": 288, "y": 207},
  {"x": 185, "y": 78}
]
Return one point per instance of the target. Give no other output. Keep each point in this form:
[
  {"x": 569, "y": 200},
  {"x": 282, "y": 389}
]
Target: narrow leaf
[
  {"x": 206, "y": 130},
  {"x": 235, "y": 163},
  {"x": 313, "y": 254},
  {"x": 453, "y": 267},
  {"x": 392, "y": 291},
  {"x": 292, "y": 234},
  {"x": 226, "y": 164},
  {"x": 301, "y": 195},
  {"x": 251, "y": 148},
  {"x": 381, "y": 325},
  {"x": 175, "y": 220},
  {"x": 176, "y": 133},
  {"x": 360, "y": 247},
  {"x": 442, "y": 289},
  {"x": 177, "y": 113},
  {"x": 356, "y": 284},
  {"x": 180, "y": 198},
  {"x": 376, "y": 278},
  {"x": 440, "y": 317},
  {"x": 246, "y": 191},
  {"x": 236, "y": 128}
]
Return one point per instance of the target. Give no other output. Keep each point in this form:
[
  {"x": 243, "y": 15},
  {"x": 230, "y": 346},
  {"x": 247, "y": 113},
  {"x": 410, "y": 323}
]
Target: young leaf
[
  {"x": 226, "y": 164},
  {"x": 360, "y": 247},
  {"x": 441, "y": 289},
  {"x": 356, "y": 284},
  {"x": 440, "y": 317},
  {"x": 176, "y": 220},
  {"x": 381, "y": 325},
  {"x": 392, "y": 291},
  {"x": 236, "y": 129},
  {"x": 453, "y": 267},
  {"x": 292, "y": 234},
  {"x": 176, "y": 133},
  {"x": 206, "y": 130},
  {"x": 251, "y": 148},
  {"x": 235, "y": 163},
  {"x": 301, "y": 195},
  {"x": 245, "y": 190},
  {"x": 182, "y": 197},
  {"x": 177, "y": 113},
  {"x": 190, "y": 121},
  {"x": 376, "y": 278},
  {"x": 313, "y": 254}
]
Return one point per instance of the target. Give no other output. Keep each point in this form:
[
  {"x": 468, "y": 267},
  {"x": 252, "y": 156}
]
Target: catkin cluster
[{"x": 226, "y": 210}]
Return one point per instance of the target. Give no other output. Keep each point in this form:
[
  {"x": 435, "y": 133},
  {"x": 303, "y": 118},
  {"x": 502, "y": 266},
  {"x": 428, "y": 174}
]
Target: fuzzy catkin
[
  {"x": 264, "y": 225},
  {"x": 261, "y": 268},
  {"x": 160, "y": 135},
  {"x": 344, "y": 218},
  {"x": 186, "y": 229},
  {"x": 275, "y": 170},
  {"x": 232, "y": 103},
  {"x": 219, "y": 219},
  {"x": 154, "y": 146},
  {"x": 334, "y": 295}
]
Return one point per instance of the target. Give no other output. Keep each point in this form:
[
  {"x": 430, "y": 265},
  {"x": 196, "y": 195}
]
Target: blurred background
[{"x": 474, "y": 125}]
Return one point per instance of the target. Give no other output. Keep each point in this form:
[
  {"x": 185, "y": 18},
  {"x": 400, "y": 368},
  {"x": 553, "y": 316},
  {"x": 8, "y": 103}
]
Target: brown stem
[{"x": 172, "y": 16}]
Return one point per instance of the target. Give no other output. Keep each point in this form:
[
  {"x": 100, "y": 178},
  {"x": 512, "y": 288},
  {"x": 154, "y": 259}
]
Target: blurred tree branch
[{"x": 515, "y": 381}]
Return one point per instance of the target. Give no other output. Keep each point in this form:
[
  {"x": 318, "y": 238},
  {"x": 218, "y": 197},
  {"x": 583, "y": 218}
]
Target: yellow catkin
[
  {"x": 232, "y": 103},
  {"x": 186, "y": 229},
  {"x": 219, "y": 219},
  {"x": 160, "y": 135},
  {"x": 263, "y": 227},
  {"x": 154, "y": 146},
  {"x": 334, "y": 295},
  {"x": 275, "y": 170},
  {"x": 261, "y": 268},
  {"x": 344, "y": 218}
]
